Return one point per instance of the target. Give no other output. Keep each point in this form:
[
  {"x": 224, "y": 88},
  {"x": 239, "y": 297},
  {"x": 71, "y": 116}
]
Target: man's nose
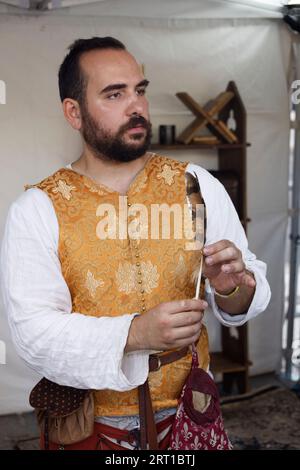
[{"x": 135, "y": 106}]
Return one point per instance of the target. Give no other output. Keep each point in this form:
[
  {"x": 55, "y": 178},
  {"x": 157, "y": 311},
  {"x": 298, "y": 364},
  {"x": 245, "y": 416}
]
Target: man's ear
[{"x": 72, "y": 113}]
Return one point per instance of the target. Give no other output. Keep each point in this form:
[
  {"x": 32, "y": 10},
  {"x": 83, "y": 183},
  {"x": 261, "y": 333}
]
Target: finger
[
  {"x": 244, "y": 278},
  {"x": 227, "y": 254},
  {"x": 216, "y": 247},
  {"x": 187, "y": 331},
  {"x": 248, "y": 280},
  {"x": 181, "y": 343},
  {"x": 234, "y": 267},
  {"x": 186, "y": 318},
  {"x": 177, "y": 306}
]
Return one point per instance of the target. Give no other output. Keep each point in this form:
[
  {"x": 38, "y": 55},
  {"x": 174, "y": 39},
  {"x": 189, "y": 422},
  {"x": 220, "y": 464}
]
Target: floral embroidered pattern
[
  {"x": 181, "y": 269},
  {"x": 150, "y": 276},
  {"x": 127, "y": 279},
  {"x": 98, "y": 189},
  {"x": 65, "y": 189},
  {"x": 155, "y": 379},
  {"x": 140, "y": 184},
  {"x": 92, "y": 284},
  {"x": 168, "y": 174}
]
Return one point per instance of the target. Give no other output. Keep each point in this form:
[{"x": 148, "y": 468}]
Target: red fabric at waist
[{"x": 99, "y": 441}]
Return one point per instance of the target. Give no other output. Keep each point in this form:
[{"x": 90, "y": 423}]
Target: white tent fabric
[
  {"x": 185, "y": 46},
  {"x": 170, "y": 9},
  {"x": 49, "y": 4}
]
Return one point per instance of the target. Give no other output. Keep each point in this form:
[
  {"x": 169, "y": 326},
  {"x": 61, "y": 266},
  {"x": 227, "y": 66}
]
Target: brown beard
[{"x": 112, "y": 146}]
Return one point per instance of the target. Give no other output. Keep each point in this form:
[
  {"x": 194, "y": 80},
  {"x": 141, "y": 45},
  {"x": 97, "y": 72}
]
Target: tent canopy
[{"x": 189, "y": 9}]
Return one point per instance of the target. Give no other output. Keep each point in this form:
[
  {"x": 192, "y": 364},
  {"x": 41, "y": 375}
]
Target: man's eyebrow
[
  {"x": 144, "y": 83},
  {"x": 121, "y": 86}
]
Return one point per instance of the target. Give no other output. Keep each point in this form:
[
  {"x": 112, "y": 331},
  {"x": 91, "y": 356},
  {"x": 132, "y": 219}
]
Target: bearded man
[{"x": 86, "y": 308}]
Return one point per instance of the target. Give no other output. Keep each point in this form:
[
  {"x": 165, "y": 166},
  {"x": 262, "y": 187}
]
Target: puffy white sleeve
[
  {"x": 223, "y": 224},
  {"x": 68, "y": 348}
]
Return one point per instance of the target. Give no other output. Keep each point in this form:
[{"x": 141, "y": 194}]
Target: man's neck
[{"x": 115, "y": 175}]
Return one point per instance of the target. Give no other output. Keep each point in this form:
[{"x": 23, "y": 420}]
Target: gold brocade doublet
[{"x": 123, "y": 273}]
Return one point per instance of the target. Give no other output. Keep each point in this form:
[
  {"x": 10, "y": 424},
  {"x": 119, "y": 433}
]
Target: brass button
[
  {"x": 138, "y": 264},
  {"x": 139, "y": 272},
  {"x": 140, "y": 282},
  {"x": 142, "y": 291},
  {"x": 143, "y": 308},
  {"x": 128, "y": 204},
  {"x": 137, "y": 255},
  {"x": 143, "y": 299}
]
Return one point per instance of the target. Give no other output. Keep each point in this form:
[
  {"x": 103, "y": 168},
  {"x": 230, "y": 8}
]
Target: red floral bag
[{"x": 198, "y": 424}]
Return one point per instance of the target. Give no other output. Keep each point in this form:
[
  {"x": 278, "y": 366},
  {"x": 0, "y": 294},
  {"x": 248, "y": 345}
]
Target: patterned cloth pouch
[
  {"x": 198, "y": 424},
  {"x": 65, "y": 414}
]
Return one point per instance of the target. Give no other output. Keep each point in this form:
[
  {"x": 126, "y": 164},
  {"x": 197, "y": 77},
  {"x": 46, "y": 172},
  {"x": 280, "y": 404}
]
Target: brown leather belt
[
  {"x": 148, "y": 432},
  {"x": 156, "y": 361}
]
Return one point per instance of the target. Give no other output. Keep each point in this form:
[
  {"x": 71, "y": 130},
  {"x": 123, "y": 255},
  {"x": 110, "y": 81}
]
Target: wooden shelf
[
  {"x": 198, "y": 146},
  {"x": 221, "y": 364}
]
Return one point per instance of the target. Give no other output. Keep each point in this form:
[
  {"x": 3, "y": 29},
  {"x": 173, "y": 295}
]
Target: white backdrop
[{"x": 188, "y": 52}]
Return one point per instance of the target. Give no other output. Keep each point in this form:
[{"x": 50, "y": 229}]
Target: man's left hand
[{"x": 224, "y": 267}]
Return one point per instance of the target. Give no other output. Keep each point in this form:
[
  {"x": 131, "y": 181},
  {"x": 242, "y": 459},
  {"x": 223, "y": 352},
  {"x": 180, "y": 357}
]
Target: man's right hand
[{"x": 169, "y": 325}]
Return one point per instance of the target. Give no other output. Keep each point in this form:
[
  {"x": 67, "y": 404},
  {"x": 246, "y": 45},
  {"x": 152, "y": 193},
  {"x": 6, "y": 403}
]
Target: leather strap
[
  {"x": 158, "y": 360},
  {"x": 147, "y": 422}
]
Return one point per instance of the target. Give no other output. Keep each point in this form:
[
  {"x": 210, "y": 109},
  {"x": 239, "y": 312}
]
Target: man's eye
[
  {"x": 141, "y": 91},
  {"x": 114, "y": 96}
]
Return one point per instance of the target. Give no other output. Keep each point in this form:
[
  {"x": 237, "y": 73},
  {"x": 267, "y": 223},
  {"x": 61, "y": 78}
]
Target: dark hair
[{"x": 72, "y": 81}]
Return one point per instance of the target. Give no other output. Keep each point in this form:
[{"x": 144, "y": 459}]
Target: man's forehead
[{"x": 110, "y": 65}]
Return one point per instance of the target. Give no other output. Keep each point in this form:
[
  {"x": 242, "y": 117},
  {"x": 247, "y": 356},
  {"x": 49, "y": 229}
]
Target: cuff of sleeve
[
  {"x": 258, "y": 304},
  {"x": 225, "y": 318},
  {"x": 133, "y": 366}
]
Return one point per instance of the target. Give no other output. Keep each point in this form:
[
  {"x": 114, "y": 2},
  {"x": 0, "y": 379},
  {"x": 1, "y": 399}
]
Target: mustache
[{"x": 134, "y": 122}]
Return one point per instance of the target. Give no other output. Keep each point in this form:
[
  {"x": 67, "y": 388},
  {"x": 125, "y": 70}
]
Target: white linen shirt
[{"x": 79, "y": 350}]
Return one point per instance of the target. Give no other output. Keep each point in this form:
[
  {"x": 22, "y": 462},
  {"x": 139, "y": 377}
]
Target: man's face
[{"x": 115, "y": 117}]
